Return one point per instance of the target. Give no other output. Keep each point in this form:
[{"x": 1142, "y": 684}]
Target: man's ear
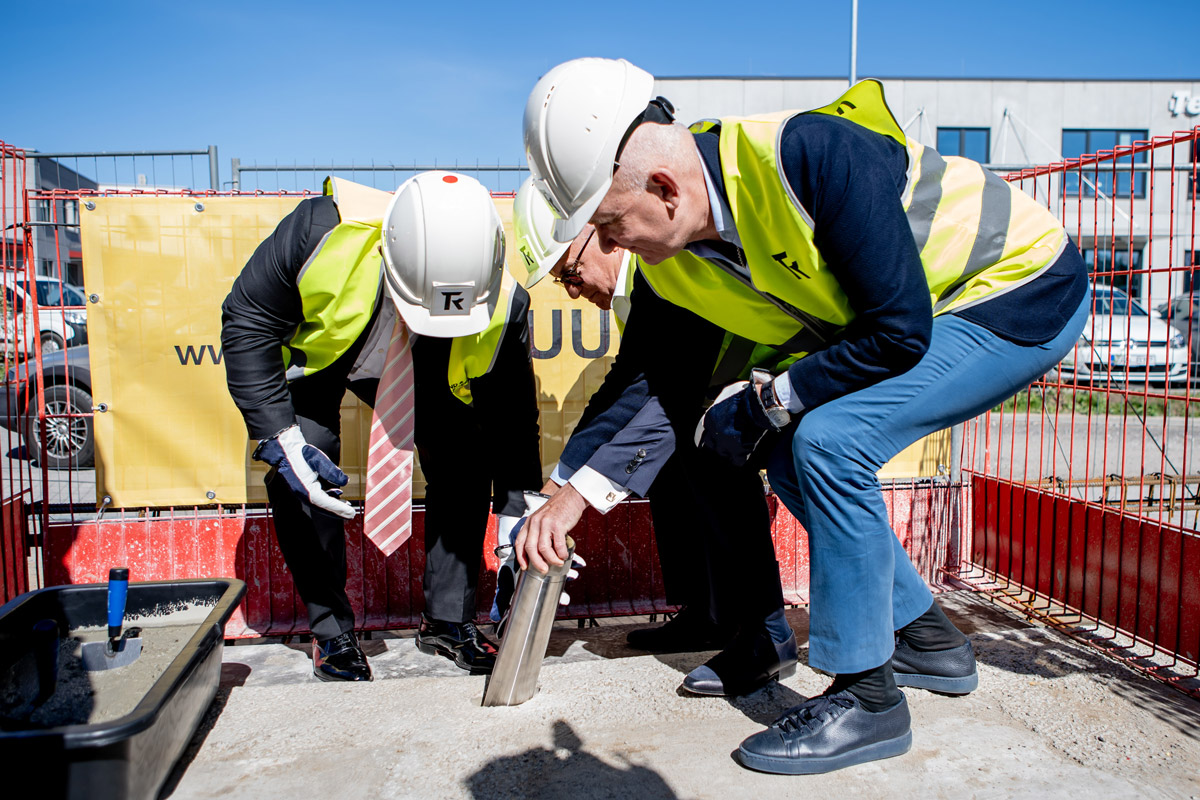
[{"x": 665, "y": 186}]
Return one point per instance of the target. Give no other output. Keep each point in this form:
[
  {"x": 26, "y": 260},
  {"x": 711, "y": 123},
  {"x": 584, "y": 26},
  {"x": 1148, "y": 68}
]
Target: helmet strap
[{"x": 659, "y": 110}]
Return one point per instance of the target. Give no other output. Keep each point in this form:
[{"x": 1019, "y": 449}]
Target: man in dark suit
[
  {"x": 635, "y": 437},
  {"x": 312, "y": 314}
]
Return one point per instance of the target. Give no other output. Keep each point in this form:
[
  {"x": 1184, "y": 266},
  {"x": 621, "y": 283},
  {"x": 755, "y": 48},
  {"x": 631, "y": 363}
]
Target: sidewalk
[{"x": 1051, "y": 719}]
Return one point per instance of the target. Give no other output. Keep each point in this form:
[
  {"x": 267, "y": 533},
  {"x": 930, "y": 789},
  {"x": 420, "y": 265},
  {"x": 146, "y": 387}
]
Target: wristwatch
[{"x": 776, "y": 413}]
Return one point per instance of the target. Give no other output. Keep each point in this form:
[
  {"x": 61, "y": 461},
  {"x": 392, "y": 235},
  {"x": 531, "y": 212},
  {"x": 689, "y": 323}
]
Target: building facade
[
  {"x": 57, "y": 251},
  {"x": 1012, "y": 124}
]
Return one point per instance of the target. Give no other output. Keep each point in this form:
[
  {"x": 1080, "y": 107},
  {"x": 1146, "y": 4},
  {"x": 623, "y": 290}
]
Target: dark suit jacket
[
  {"x": 262, "y": 311},
  {"x": 650, "y": 397}
]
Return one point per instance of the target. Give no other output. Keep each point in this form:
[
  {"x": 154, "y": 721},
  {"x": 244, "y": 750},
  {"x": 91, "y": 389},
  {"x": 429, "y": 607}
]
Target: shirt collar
[
  {"x": 620, "y": 300},
  {"x": 721, "y": 212}
]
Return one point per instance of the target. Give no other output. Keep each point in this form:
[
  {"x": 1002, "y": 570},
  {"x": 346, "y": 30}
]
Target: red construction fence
[
  {"x": 1077, "y": 503},
  {"x": 1085, "y": 490}
]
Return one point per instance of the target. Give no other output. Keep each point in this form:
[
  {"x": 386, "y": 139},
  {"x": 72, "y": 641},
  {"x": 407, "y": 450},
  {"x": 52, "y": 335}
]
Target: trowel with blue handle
[{"x": 120, "y": 649}]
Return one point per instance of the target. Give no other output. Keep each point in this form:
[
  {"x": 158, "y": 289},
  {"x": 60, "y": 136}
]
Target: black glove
[{"x": 735, "y": 424}]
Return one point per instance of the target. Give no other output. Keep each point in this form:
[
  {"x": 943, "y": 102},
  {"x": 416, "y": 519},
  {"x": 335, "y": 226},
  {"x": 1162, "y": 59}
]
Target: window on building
[
  {"x": 1124, "y": 183},
  {"x": 41, "y": 211},
  {"x": 71, "y": 212},
  {"x": 14, "y": 257},
  {"x": 46, "y": 268},
  {"x": 1119, "y": 267},
  {"x": 75, "y": 276},
  {"x": 972, "y": 143},
  {"x": 1191, "y": 263}
]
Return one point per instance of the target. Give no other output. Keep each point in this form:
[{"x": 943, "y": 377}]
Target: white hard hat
[
  {"x": 443, "y": 253},
  {"x": 576, "y": 119},
  {"x": 533, "y": 223}
]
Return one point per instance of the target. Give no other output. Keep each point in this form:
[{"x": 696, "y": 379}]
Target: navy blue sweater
[{"x": 850, "y": 180}]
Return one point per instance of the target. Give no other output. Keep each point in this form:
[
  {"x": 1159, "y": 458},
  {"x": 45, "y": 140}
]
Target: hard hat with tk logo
[{"x": 443, "y": 253}]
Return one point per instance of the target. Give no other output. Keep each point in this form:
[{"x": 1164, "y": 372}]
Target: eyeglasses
[{"x": 569, "y": 275}]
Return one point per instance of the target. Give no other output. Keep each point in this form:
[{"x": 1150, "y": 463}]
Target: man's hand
[
  {"x": 542, "y": 540},
  {"x": 304, "y": 467}
]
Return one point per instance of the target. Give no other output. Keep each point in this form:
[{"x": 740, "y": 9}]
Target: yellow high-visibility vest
[
  {"x": 342, "y": 281},
  {"x": 977, "y": 235}
]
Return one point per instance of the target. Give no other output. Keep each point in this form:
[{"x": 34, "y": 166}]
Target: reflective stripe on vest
[
  {"x": 977, "y": 235},
  {"x": 341, "y": 282}
]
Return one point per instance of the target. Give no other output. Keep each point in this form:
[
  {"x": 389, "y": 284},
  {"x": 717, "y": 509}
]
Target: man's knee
[{"x": 824, "y": 434}]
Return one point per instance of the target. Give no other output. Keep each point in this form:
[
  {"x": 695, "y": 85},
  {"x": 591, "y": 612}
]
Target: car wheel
[
  {"x": 69, "y": 440},
  {"x": 51, "y": 342}
]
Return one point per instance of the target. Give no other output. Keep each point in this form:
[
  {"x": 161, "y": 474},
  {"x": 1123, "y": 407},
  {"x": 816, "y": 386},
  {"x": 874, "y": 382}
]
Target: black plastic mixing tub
[{"x": 131, "y": 756}]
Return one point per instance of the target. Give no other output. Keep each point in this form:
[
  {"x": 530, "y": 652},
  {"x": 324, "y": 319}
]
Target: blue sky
[{"x": 404, "y": 82}]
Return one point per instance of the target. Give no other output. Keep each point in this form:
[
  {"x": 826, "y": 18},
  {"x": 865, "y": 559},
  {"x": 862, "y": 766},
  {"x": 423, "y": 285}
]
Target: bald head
[
  {"x": 658, "y": 201},
  {"x": 650, "y": 146}
]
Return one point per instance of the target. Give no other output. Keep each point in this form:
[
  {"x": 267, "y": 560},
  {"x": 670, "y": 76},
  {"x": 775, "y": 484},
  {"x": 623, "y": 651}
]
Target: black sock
[
  {"x": 875, "y": 688},
  {"x": 933, "y": 630}
]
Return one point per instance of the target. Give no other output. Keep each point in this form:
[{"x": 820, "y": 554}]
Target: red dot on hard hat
[{"x": 450, "y": 178}]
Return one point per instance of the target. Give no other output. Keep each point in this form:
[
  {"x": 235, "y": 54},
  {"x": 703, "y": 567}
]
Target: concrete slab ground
[{"x": 1051, "y": 719}]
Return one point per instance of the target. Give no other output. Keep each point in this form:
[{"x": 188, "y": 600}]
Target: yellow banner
[{"x": 161, "y": 266}]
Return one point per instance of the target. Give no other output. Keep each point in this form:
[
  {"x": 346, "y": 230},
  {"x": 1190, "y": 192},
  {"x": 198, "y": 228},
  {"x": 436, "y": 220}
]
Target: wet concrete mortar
[
  {"x": 83, "y": 697},
  {"x": 1052, "y": 718}
]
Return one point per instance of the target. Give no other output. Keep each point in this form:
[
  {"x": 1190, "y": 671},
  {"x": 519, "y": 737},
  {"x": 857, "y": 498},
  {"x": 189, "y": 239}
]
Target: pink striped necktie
[{"x": 388, "y": 516}]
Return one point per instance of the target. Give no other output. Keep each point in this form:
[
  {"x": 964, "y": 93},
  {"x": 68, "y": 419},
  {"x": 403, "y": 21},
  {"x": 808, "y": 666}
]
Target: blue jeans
[{"x": 862, "y": 586}]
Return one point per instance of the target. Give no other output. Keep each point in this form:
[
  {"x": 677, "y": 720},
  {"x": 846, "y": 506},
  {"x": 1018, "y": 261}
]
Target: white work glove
[
  {"x": 506, "y": 575},
  {"x": 304, "y": 467},
  {"x": 572, "y": 574},
  {"x": 534, "y": 501}
]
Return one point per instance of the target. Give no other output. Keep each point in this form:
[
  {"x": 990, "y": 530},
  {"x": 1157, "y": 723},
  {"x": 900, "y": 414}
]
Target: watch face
[{"x": 779, "y": 417}]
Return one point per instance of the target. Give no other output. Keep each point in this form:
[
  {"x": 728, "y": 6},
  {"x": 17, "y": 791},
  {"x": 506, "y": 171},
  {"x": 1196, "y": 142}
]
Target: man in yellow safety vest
[
  {"x": 311, "y": 315},
  {"x": 915, "y": 291}
]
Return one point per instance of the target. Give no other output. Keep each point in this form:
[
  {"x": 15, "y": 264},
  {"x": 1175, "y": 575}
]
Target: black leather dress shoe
[
  {"x": 946, "y": 671},
  {"x": 340, "y": 659},
  {"x": 751, "y": 661},
  {"x": 825, "y": 733},
  {"x": 461, "y": 642},
  {"x": 688, "y": 631}
]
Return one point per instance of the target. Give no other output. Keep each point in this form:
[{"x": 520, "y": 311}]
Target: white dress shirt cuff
[
  {"x": 600, "y": 492},
  {"x": 783, "y": 393}
]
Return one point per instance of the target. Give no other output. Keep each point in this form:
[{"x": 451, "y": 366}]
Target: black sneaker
[
  {"x": 340, "y": 659},
  {"x": 686, "y": 632},
  {"x": 825, "y": 733},
  {"x": 946, "y": 671},
  {"x": 461, "y": 642}
]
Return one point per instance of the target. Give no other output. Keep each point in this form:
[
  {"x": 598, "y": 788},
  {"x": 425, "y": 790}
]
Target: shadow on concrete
[
  {"x": 232, "y": 676},
  {"x": 565, "y": 770},
  {"x": 1002, "y": 640}
]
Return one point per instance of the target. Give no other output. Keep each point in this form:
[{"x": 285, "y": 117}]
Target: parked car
[
  {"x": 1182, "y": 312},
  {"x": 1122, "y": 344},
  {"x": 67, "y": 381},
  {"x": 58, "y": 324}
]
